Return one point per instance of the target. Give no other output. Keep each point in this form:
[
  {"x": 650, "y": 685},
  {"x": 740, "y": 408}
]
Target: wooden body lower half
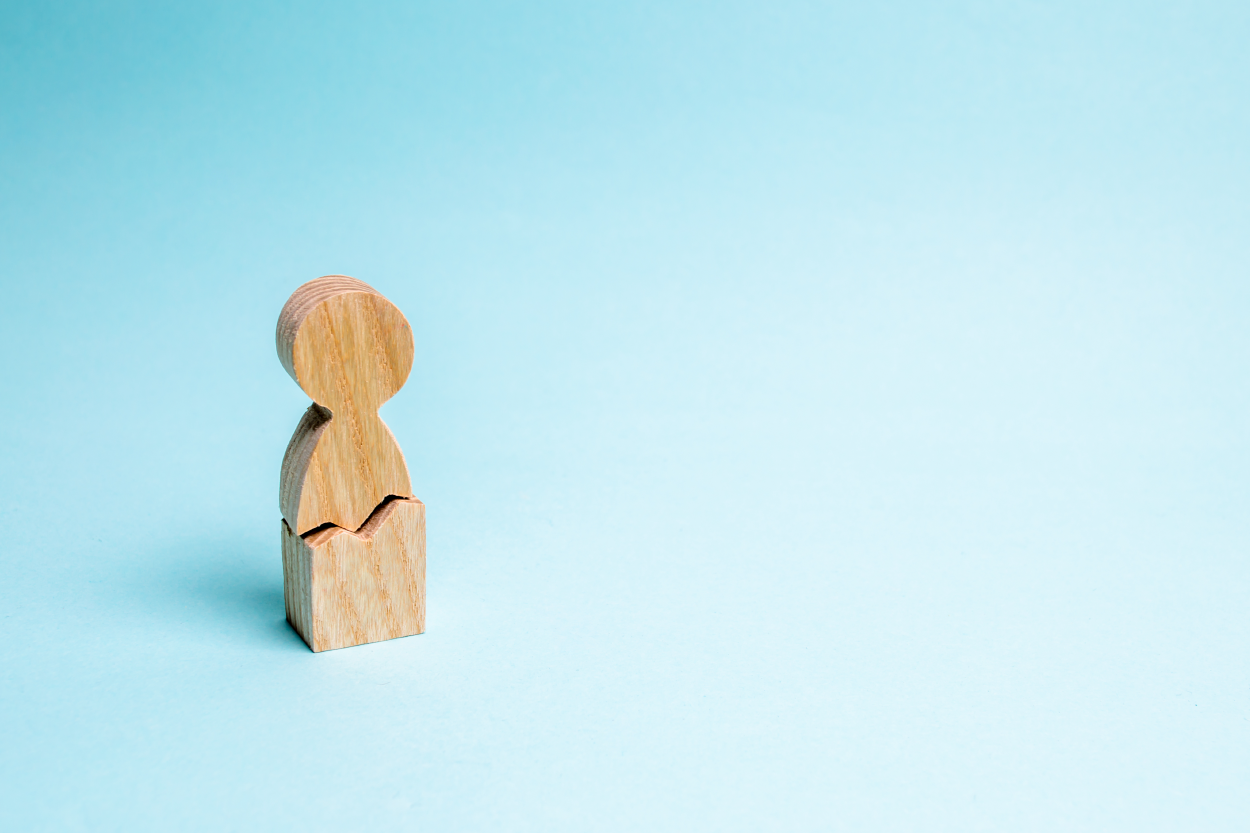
[{"x": 347, "y": 588}]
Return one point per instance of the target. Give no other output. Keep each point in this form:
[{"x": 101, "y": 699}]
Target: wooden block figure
[{"x": 353, "y": 534}]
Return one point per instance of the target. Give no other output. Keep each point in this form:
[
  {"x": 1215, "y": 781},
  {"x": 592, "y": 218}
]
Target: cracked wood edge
[{"x": 349, "y": 588}]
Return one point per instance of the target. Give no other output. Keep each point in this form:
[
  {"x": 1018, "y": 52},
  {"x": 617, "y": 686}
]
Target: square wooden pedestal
[{"x": 346, "y": 588}]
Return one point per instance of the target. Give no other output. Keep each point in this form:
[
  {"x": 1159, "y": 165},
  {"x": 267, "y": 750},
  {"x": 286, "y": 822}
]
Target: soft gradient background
[{"x": 829, "y": 418}]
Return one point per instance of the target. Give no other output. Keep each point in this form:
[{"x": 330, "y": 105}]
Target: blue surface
[{"x": 828, "y": 419}]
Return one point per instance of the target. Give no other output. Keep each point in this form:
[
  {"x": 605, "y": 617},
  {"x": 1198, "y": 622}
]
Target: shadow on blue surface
[{"x": 221, "y": 590}]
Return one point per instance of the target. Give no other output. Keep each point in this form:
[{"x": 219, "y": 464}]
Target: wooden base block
[{"x": 346, "y": 588}]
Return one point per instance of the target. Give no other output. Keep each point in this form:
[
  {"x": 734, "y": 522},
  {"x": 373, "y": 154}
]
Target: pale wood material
[
  {"x": 350, "y": 349},
  {"x": 346, "y": 588},
  {"x": 353, "y": 535}
]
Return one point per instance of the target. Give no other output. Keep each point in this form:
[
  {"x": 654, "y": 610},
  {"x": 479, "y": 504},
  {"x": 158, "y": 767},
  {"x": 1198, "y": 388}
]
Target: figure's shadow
[{"x": 226, "y": 590}]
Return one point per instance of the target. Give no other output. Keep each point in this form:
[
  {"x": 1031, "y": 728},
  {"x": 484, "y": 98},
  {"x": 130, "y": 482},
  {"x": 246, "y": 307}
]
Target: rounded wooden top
[{"x": 344, "y": 343}]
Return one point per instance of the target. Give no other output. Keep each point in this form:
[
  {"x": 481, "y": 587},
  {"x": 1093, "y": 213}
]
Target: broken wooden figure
[{"x": 353, "y": 534}]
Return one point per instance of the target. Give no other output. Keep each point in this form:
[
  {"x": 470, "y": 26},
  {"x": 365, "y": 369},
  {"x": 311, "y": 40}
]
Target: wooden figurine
[{"x": 353, "y": 535}]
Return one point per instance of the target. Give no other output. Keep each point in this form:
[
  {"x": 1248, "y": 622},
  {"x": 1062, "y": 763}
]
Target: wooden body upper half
[{"x": 351, "y": 350}]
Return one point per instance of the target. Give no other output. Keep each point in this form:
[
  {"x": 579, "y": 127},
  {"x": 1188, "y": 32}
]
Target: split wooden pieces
[{"x": 353, "y": 535}]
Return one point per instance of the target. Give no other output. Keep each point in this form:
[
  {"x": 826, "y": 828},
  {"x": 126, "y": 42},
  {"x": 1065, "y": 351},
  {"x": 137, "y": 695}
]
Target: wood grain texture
[
  {"x": 353, "y": 536},
  {"x": 347, "y": 588},
  {"x": 351, "y": 350}
]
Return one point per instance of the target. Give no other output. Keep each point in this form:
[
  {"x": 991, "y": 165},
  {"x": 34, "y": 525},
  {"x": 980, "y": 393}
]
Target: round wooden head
[{"x": 344, "y": 344}]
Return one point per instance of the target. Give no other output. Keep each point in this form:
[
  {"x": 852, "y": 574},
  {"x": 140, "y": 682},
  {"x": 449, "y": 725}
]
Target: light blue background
[{"x": 828, "y": 418}]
